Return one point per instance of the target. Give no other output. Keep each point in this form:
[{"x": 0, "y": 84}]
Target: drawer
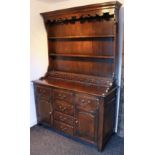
[
  {"x": 64, "y": 118},
  {"x": 43, "y": 100},
  {"x": 63, "y": 107},
  {"x": 63, "y": 95},
  {"x": 86, "y": 102},
  {"x": 63, "y": 127},
  {"x": 44, "y": 91}
]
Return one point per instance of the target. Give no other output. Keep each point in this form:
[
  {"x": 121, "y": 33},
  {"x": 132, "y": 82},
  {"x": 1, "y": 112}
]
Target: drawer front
[
  {"x": 63, "y": 118},
  {"x": 63, "y": 95},
  {"x": 44, "y": 91},
  {"x": 63, "y": 107},
  {"x": 63, "y": 127},
  {"x": 86, "y": 102}
]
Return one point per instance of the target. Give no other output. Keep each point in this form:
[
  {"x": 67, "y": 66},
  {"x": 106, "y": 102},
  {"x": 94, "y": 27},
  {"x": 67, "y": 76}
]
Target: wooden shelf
[
  {"x": 81, "y": 37},
  {"x": 81, "y": 56}
]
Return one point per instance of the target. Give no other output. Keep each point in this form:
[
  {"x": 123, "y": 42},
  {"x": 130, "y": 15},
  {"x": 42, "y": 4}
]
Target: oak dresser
[{"x": 77, "y": 95}]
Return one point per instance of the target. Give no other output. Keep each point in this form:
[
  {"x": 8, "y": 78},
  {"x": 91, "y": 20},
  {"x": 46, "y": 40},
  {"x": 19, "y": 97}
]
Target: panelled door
[
  {"x": 86, "y": 113},
  {"x": 85, "y": 125},
  {"x": 44, "y": 111}
]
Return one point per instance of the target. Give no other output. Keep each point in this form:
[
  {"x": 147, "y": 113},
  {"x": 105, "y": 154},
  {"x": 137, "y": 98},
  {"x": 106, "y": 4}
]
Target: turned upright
[{"x": 77, "y": 95}]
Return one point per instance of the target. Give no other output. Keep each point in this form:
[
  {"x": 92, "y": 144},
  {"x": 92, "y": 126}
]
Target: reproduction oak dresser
[{"x": 77, "y": 95}]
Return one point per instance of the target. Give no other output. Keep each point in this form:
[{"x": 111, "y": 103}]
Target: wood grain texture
[{"x": 77, "y": 95}]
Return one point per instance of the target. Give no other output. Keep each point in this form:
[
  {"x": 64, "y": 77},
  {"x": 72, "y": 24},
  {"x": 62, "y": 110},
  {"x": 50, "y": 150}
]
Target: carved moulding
[{"x": 100, "y": 12}]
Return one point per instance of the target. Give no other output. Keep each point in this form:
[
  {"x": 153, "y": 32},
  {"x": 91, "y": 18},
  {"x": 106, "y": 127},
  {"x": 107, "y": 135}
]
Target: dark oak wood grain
[{"x": 77, "y": 95}]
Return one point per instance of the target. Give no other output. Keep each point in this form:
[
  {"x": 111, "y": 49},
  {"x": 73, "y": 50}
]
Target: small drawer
[
  {"x": 63, "y": 95},
  {"x": 87, "y": 102},
  {"x": 63, "y": 127},
  {"x": 63, "y": 107},
  {"x": 44, "y": 91},
  {"x": 43, "y": 100},
  {"x": 63, "y": 118}
]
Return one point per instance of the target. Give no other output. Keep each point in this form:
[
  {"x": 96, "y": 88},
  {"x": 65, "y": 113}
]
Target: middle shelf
[
  {"x": 81, "y": 37},
  {"x": 81, "y": 56}
]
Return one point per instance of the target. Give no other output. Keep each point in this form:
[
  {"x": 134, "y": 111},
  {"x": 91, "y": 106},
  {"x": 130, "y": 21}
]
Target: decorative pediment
[{"x": 101, "y": 12}]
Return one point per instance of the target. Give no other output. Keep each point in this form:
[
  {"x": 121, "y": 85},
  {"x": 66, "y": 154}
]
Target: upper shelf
[
  {"x": 81, "y": 37},
  {"x": 81, "y": 56}
]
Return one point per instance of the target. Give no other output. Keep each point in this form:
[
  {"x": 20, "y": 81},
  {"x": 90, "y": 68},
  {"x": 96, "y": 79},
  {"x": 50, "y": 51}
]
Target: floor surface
[{"x": 46, "y": 142}]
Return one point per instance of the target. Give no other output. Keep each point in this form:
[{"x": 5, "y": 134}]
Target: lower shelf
[{"x": 81, "y": 56}]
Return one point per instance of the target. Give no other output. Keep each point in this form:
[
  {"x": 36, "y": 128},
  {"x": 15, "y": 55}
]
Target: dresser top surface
[{"x": 76, "y": 86}]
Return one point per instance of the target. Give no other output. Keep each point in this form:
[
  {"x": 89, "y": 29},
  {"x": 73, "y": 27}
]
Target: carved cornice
[{"x": 104, "y": 11}]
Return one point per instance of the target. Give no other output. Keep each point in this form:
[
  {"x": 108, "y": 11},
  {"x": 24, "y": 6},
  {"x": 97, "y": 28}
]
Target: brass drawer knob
[
  {"x": 63, "y": 109},
  {"x": 64, "y": 96},
  {"x": 110, "y": 83},
  {"x": 88, "y": 101},
  {"x": 107, "y": 90},
  {"x": 82, "y": 100}
]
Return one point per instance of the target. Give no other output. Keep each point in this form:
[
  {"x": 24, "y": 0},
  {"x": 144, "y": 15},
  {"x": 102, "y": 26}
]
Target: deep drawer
[
  {"x": 63, "y": 127},
  {"x": 63, "y": 95},
  {"x": 64, "y": 118},
  {"x": 86, "y": 102},
  {"x": 63, "y": 107}
]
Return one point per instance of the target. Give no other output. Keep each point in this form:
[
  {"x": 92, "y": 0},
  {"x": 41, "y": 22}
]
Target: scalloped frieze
[{"x": 99, "y": 14}]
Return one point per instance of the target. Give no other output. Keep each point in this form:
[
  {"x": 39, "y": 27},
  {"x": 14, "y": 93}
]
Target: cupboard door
[
  {"x": 86, "y": 125},
  {"x": 44, "y": 110}
]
